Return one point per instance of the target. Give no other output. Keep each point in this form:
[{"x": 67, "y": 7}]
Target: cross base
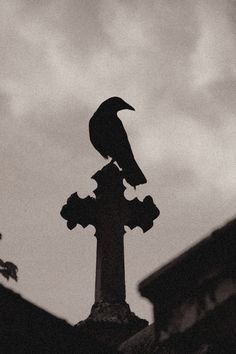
[
  {"x": 111, "y": 323},
  {"x": 119, "y": 313}
]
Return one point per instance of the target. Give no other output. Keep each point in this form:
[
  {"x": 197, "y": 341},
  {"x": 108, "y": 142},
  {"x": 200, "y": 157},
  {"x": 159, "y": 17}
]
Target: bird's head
[{"x": 114, "y": 104}]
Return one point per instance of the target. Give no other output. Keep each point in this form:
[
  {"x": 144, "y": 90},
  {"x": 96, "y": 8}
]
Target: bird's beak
[{"x": 127, "y": 106}]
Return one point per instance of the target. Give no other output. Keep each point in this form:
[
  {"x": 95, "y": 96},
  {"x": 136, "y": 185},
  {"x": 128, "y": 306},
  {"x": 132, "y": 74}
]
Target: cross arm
[
  {"x": 142, "y": 213},
  {"x": 79, "y": 211}
]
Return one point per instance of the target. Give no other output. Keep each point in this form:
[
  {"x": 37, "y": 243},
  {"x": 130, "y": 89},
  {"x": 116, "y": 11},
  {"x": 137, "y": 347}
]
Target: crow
[{"x": 108, "y": 136}]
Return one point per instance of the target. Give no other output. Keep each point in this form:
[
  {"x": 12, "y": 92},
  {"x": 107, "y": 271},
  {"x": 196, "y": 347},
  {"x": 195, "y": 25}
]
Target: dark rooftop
[{"x": 183, "y": 274}]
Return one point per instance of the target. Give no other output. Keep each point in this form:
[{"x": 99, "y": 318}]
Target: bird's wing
[
  {"x": 117, "y": 140},
  {"x": 97, "y": 136},
  {"x": 123, "y": 155}
]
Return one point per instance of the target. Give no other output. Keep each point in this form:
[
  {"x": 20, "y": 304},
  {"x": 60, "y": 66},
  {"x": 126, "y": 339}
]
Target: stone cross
[{"x": 109, "y": 212}]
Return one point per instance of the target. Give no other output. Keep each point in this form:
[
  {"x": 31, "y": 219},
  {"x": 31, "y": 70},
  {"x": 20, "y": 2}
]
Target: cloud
[
  {"x": 174, "y": 61},
  {"x": 215, "y": 57}
]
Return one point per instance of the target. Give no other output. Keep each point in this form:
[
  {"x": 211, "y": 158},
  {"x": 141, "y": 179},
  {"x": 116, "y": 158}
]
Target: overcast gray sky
[{"x": 175, "y": 62}]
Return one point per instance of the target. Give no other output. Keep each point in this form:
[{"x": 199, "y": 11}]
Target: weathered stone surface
[
  {"x": 118, "y": 313},
  {"x": 194, "y": 297}
]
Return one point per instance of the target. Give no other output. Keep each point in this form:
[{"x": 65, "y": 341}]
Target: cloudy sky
[{"x": 175, "y": 62}]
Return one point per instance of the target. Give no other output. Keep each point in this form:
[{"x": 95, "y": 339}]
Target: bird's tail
[{"x": 133, "y": 174}]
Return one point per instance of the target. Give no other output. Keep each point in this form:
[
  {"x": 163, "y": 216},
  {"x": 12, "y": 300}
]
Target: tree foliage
[{"x": 8, "y": 269}]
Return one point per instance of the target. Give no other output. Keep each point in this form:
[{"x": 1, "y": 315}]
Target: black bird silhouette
[{"x": 109, "y": 137}]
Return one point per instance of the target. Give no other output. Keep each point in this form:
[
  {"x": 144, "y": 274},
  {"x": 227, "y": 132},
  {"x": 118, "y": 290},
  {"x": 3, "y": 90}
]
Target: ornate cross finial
[{"x": 109, "y": 212}]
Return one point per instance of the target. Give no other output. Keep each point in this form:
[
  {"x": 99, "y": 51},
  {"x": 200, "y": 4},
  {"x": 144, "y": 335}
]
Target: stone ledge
[{"x": 111, "y": 323}]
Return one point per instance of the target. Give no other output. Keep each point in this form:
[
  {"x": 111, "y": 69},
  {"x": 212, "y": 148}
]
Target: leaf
[{"x": 9, "y": 270}]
